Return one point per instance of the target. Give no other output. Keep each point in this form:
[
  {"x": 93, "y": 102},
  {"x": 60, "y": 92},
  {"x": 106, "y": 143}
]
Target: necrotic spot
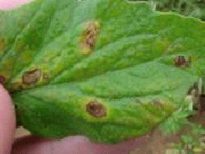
[
  {"x": 31, "y": 77},
  {"x": 89, "y": 37},
  {"x": 181, "y": 61},
  {"x": 96, "y": 109}
]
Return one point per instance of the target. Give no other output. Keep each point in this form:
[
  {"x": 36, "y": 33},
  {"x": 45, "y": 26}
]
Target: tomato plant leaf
[{"x": 108, "y": 69}]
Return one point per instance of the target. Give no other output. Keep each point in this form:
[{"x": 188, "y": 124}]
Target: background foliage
[{"x": 195, "y": 8}]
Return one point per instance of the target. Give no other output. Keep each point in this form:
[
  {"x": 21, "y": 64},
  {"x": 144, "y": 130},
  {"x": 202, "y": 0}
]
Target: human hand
[
  {"x": 35, "y": 145},
  {"x": 7, "y": 122}
]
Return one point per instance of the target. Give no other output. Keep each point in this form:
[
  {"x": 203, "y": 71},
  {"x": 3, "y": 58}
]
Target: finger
[
  {"x": 7, "y": 122},
  {"x": 34, "y": 145},
  {"x": 11, "y": 4},
  {"x": 71, "y": 145}
]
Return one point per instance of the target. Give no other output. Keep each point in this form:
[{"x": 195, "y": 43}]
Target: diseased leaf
[{"x": 108, "y": 69}]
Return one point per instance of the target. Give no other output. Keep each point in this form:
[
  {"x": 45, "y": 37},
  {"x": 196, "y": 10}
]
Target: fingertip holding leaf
[
  {"x": 12, "y": 4},
  {"x": 74, "y": 69}
]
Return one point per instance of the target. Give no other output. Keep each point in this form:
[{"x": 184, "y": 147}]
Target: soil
[{"x": 157, "y": 143}]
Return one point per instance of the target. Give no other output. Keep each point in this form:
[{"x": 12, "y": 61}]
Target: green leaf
[{"x": 108, "y": 69}]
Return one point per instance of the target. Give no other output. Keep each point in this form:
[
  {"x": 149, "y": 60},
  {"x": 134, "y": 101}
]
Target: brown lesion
[
  {"x": 89, "y": 37},
  {"x": 182, "y": 61},
  {"x": 31, "y": 77},
  {"x": 158, "y": 103},
  {"x": 28, "y": 79},
  {"x": 96, "y": 109}
]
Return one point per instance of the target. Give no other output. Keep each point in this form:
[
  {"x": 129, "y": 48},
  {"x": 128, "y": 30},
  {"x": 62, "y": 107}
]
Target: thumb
[
  {"x": 11, "y": 4},
  {"x": 7, "y": 122}
]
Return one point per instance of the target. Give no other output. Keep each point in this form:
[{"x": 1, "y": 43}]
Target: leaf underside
[{"x": 108, "y": 69}]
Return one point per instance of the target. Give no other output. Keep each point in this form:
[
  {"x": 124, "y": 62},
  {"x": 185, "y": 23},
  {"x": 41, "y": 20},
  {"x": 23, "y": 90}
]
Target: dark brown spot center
[
  {"x": 181, "y": 61},
  {"x": 96, "y": 109},
  {"x": 31, "y": 77},
  {"x": 89, "y": 37}
]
